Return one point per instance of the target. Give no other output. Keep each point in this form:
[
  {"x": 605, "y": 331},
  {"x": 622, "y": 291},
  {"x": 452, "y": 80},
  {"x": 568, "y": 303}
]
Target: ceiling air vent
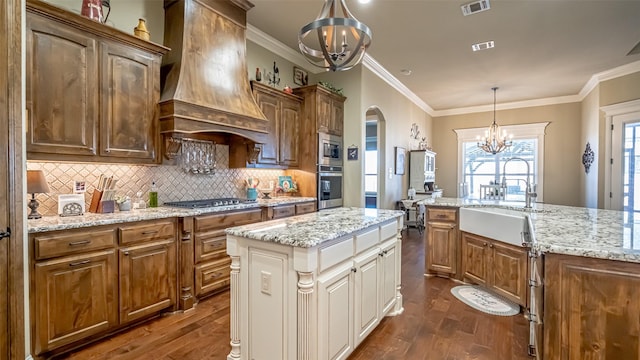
[
  {"x": 475, "y": 7},
  {"x": 483, "y": 46}
]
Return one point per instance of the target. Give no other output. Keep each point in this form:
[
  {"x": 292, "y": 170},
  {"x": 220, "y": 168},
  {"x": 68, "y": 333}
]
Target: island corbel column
[
  {"x": 399, "y": 307},
  {"x": 305, "y": 315},
  {"x": 235, "y": 309}
]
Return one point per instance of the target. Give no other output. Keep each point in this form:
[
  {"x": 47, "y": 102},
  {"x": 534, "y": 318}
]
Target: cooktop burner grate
[{"x": 192, "y": 204}]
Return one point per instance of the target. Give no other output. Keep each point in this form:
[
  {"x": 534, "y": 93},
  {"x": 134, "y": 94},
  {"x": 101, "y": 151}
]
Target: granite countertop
[
  {"x": 312, "y": 229},
  {"x": 55, "y": 222},
  {"x": 596, "y": 233}
]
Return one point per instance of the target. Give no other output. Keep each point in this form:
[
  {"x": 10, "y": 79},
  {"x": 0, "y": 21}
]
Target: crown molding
[
  {"x": 619, "y": 71},
  {"x": 510, "y": 105},
  {"x": 375, "y": 67},
  {"x": 277, "y": 47}
]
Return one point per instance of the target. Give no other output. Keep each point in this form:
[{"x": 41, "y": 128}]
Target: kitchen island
[
  {"x": 313, "y": 286},
  {"x": 583, "y": 275}
]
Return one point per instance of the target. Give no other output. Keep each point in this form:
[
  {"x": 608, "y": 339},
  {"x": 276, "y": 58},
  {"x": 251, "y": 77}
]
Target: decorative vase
[
  {"x": 258, "y": 75},
  {"x": 141, "y": 30},
  {"x": 92, "y": 9},
  {"x": 124, "y": 206}
]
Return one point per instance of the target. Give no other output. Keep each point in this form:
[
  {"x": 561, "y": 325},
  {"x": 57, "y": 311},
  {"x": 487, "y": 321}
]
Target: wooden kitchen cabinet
[
  {"x": 441, "y": 252},
  {"x": 496, "y": 265},
  {"x": 323, "y": 110},
  {"x": 281, "y": 150},
  {"x": 211, "y": 264},
  {"x": 74, "y": 288},
  {"x": 92, "y": 91},
  {"x": 283, "y": 211},
  {"x": 590, "y": 308},
  {"x": 88, "y": 282}
]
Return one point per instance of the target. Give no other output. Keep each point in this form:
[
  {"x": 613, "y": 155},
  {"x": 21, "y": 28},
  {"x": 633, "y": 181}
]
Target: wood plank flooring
[{"x": 434, "y": 326}]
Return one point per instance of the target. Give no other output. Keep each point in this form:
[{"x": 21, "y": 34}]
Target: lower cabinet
[
  {"x": 76, "y": 297},
  {"x": 92, "y": 281},
  {"x": 442, "y": 250},
  {"x": 211, "y": 263},
  {"x": 498, "y": 266},
  {"x": 283, "y": 211},
  {"x": 336, "y": 313},
  {"x": 590, "y": 308}
]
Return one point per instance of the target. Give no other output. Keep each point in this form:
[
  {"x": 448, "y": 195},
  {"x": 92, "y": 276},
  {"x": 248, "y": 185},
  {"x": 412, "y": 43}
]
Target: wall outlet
[{"x": 265, "y": 282}]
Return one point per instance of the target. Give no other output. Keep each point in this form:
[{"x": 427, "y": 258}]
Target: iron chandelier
[{"x": 495, "y": 139}]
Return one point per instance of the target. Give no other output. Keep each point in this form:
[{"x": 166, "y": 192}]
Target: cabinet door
[
  {"x": 62, "y": 84},
  {"x": 270, "y": 106},
  {"x": 129, "y": 103},
  {"x": 75, "y": 297},
  {"x": 441, "y": 247},
  {"x": 367, "y": 293},
  {"x": 508, "y": 275},
  {"x": 475, "y": 256},
  {"x": 289, "y": 130},
  {"x": 324, "y": 112},
  {"x": 337, "y": 117},
  {"x": 388, "y": 266},
  {"x": 335, "y": 313},
  {"x": 147, "y": 279}
]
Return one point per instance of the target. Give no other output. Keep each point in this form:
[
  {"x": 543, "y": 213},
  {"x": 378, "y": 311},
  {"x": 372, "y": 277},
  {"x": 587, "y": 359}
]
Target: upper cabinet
[
  {"x": 92, "y": 91},
  {"x": 281, "y": 147},
  {"x": 323, "y": 109}
]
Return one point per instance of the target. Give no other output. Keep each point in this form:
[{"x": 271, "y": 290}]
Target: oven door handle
[{"x": 330, "y": 174}]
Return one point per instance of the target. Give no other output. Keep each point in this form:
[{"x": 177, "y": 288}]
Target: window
[
  {"x": 481, "y": 168},
  {"x": 476, "y": 167},
  {"x": 371, "y": 171}
]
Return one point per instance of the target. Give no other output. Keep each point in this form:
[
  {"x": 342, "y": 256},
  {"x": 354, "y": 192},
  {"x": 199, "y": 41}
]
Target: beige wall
[
  {"x": 590, "y": 128},
  {"x": 125, "y": 14},
  {"x": 618, "y": 90},
  {"x": 259, "y": 57},
  {"x": 562, "y": 140}
]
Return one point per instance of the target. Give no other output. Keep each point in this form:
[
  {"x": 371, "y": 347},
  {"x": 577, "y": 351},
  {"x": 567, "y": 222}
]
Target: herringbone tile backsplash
[{"x": 172, "y": 182}]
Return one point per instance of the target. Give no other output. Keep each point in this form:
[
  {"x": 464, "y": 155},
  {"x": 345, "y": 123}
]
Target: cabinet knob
[
  {"x": 490, "y": 245},
  {"x": 354, "y": 269},
  {"x": 126, "y": 253},
  {"x": 485, "y": 244}
]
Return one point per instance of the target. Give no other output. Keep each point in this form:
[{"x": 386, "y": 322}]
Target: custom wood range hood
[{"x": 205, "y": 87}]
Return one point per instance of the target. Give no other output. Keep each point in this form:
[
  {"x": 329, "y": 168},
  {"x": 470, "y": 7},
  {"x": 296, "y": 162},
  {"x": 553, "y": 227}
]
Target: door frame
[
  {"x": 612, "y": 113},
  {"x": 11, "y": 130}
]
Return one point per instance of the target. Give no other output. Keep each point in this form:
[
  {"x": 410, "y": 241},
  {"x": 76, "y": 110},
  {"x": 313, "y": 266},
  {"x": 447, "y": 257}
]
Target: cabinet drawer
[
  {"x": 147, "y": 231},
  {"x": 212, "y": 276},
  {"x": 435, "y": 214},
  {"x": 305, "y": 208},
  {"x": 223, "y": 221},
  {"x": 47, "y": 246},
  {"x": 336, "y": 253},
  {"x": 210, "y": 245},
  {"x": 282, "y": 211}
]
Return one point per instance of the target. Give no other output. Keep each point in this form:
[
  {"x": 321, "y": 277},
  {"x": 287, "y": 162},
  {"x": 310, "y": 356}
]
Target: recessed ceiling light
[
  {"x": 405, "y": 72},
  {"x": 364, "y": 1},
  {"x": 483, "y": 46}
]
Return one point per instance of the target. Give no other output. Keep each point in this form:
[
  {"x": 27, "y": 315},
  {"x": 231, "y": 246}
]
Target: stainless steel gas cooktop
[{"x": 192, "y": 204}]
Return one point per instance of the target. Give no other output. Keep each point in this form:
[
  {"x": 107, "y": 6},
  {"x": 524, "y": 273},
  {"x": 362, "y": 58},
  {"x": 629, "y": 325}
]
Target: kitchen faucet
[{"x": 530, "y": 191}]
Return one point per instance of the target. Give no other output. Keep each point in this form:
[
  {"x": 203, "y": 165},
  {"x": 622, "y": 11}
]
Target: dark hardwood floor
[{"x": 434, "y": 326}]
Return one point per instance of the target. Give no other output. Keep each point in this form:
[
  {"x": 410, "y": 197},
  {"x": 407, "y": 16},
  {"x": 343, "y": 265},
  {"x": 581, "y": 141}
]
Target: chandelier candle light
[
  {"x": 340, "y": 42},
  {"x": 495, "y": 139}
]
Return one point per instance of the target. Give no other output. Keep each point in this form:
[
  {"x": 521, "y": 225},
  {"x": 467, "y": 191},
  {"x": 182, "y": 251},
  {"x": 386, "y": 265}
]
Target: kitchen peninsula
[
  {"x": 313, "y": 286},
  {"x": 585, "y": 264}
]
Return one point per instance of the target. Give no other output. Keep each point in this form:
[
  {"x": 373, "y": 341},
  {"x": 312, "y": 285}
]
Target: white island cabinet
[{"x": 313, "y": 286}]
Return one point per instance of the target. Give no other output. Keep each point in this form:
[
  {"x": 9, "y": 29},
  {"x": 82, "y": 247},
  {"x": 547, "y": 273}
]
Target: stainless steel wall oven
[{"x": 329, "y": 186}]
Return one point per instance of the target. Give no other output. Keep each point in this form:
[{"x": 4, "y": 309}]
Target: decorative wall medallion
[{"x": 587, "y": 158}]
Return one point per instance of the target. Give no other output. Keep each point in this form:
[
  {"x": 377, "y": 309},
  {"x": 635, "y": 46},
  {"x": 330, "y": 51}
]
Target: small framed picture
[
  {"x": 79, "y": 186},
  {"x": 300, "y": 76},
  {"x": 352, "y": 153},
  {"x": 285, "y": 182},
  {"x": 400, "y": 155}
]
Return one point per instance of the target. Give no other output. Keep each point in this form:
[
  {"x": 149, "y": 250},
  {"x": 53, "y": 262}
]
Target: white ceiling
[{"x": 544, "y": 48}]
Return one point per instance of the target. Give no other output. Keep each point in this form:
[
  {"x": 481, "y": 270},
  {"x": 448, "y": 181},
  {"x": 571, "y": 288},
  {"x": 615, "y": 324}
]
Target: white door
[{"x": 625, "y": 163}]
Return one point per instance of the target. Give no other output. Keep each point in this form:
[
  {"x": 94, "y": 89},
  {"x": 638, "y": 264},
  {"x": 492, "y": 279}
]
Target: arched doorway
[{"x": 374, "y": 157}]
